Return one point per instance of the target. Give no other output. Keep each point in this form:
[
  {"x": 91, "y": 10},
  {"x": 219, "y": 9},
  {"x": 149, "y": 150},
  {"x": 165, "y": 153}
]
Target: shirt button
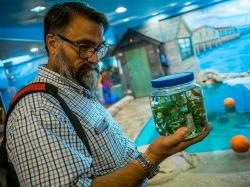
[{"x": 96, "y": 131}]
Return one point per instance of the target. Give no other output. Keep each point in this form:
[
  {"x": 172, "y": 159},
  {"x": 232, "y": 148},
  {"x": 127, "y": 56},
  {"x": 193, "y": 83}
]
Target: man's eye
[{"x": 85, "y": 47}]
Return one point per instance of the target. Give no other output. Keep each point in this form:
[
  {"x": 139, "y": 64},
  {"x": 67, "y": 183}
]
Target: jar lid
[{"x": 173, "y": 80}]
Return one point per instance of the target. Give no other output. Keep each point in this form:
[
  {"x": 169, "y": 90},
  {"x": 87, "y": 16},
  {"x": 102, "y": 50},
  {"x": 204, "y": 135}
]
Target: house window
[{"x": 186, "y": 48}]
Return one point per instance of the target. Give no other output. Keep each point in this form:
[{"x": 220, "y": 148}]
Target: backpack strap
[
  {"x": 52, "y": 90},
  {"x": 10, "y": 174}
]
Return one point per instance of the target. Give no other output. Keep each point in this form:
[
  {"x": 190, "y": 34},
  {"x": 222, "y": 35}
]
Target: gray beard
[{"x": 86, "y": 75}]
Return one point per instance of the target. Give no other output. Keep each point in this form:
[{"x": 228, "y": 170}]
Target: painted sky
[{"x": 231, "y": 13}]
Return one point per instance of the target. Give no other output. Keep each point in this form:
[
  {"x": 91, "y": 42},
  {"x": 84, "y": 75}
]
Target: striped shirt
[{"x": 42, "y": 143}]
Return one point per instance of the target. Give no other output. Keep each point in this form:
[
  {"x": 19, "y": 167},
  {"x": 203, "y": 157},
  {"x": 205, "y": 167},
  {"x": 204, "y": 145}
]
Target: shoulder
[
  {"x": 35, "y": 103},
  {"x": 38, "y": 111}
]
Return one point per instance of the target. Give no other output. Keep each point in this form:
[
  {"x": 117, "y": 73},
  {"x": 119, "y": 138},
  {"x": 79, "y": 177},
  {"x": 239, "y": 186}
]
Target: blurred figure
[
  {"x": 106, "y": 85},
  {"x": 99, "y": 91},
  {"x": 1, "y": 115}
]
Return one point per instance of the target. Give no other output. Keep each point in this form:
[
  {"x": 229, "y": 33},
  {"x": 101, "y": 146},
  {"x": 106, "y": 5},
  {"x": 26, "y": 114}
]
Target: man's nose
[{"x": 94, "y": 59}]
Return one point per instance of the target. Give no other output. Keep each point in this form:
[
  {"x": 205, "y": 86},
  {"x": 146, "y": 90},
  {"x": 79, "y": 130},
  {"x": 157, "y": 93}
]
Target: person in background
[
  {"x": 41, "y": 142},
  {"x": 2, "y": 110},
  {"x": 1, "y": 115},
  {"x": 99, "y": 91},
  {"x": 106, "y": 85}
]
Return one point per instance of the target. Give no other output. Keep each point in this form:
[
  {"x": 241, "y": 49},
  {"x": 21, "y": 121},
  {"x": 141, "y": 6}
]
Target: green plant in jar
[{"x": 178, "y": 102}]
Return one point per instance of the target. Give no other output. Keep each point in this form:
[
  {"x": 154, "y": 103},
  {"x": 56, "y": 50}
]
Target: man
[{"x": 41, "y": 142}]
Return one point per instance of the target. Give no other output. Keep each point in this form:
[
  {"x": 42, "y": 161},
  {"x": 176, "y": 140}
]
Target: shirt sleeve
[{"x": 44, "y": 148}]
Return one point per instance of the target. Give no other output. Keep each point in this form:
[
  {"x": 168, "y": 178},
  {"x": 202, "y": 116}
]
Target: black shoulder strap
[{"x": 50, "y": 89}]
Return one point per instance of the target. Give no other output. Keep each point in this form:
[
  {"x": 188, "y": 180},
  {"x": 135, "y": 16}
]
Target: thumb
[{"x": 178, "y": 136}]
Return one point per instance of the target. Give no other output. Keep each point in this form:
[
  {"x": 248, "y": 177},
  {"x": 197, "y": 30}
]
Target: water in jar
[{"x": 177, "y": 110}]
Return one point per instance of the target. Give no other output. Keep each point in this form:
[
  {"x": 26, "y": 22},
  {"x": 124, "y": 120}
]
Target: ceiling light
[
  {"x": 154, "y": 14},
  {"x": 173, "y": 4},
  {"x": 188, "y": 3},
  {"x": 126, "y": 20},
  {"x": 34, "y": 49},
  {"x": 38, "y": 9},
  {"x": 120, "y": 9}
]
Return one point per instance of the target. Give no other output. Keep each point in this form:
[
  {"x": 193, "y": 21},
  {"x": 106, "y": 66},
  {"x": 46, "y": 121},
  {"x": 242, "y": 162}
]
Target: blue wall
[
  {"x": 27, "y": 33},
  {"x": 36, "y": 34}
]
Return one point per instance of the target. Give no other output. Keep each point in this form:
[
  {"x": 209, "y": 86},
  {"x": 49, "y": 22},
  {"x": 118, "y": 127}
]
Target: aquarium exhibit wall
[{"x": 214, "y": 44}]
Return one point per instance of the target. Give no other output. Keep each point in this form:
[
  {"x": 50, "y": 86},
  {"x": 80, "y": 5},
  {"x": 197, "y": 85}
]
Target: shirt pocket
[
  {"x": 101, "y": 127},
  {"x": 95, "y": 126}
]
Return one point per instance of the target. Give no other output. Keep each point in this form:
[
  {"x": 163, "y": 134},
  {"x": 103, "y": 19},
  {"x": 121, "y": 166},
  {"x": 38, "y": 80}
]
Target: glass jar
[{"x": 177, "y": 101}]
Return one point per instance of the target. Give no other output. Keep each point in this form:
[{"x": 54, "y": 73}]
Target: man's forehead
[{"x": 82, "y": 29}]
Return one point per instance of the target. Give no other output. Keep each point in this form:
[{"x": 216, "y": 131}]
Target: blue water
[
  {"x": 233, "y": 56},
  {"x": 225, "y": 125},
  {"x": 214, "y": 97}
]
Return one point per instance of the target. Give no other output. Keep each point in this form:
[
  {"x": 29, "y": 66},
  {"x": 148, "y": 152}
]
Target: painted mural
[
  {"x": 214, "y": 39},
  {"x": 220, "y": 36}
]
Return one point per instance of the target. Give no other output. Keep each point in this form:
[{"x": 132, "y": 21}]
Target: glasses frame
[{"x": 92, "y": 50}]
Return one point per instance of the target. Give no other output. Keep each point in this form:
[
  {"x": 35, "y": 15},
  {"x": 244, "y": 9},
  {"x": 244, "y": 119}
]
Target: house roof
[
  {"x": 201, "y": 27},
  {"x": 171, "y": 27},
  {"x": 132, "y": 37},
  {"x": 227, "y": 27}
]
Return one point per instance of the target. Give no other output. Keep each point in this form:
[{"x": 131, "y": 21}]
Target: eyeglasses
[{"x": 86, "y": 51}]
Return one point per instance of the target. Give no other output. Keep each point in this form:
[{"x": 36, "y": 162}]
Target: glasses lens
[
  {"x": 102, "y": 50},
  {"x": 86, "y": 51}
]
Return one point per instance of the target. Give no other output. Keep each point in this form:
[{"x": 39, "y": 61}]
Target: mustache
[{"x": 86, "y": 67}]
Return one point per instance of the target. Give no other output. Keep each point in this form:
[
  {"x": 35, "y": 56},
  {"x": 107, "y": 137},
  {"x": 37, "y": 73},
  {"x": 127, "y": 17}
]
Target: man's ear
[{"x": 52, "y": 44}]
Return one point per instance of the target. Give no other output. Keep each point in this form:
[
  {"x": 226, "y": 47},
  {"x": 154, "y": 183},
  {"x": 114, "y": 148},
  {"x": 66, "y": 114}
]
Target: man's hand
[
  {"x": 133, "y": 174},
  {"x": 166, "y": 146}
]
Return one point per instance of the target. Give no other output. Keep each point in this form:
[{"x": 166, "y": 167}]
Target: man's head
[{"x": 73, "y": 35}]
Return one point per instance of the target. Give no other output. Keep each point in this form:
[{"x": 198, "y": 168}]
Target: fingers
[
  {"x": 200, "y": 137},
  {"x": 167, "y": 146},
  {"x": 183, "y": 145},
  {"x": 177, "y": 137}
]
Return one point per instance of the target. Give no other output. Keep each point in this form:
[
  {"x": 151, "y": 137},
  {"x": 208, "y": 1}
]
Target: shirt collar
[{"x": 46, "y": 75}]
